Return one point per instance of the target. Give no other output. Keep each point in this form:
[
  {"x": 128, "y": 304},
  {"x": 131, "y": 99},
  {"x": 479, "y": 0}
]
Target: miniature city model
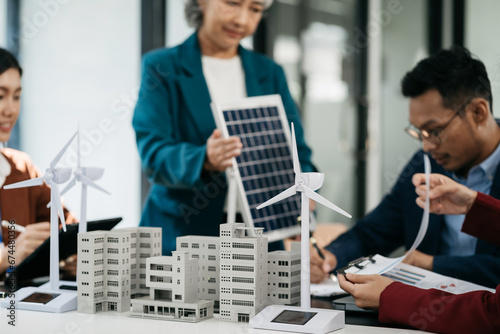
[
  {"x": 284, "y": 276},
  {"x": 206, "y": 250},
  {"x": 173, "y": 282},
  {"x": 243, "y": 273},
  {"x": 109, "y": 263}
]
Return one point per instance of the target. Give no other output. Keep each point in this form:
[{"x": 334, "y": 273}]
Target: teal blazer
[{"x": 172, "y": 122}]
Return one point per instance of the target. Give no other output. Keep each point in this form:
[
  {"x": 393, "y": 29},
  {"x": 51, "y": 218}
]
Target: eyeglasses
[{"x": 434, "y": 135}]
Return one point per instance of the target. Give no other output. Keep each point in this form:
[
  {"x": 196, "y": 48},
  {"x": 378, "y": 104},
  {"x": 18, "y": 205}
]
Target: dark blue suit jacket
[
  {"x": 173, "y": 120},
  {"x": 395, "y": 222}
]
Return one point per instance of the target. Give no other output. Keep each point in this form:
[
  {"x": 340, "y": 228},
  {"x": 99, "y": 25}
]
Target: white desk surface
[{"x": 119, "y": 323}]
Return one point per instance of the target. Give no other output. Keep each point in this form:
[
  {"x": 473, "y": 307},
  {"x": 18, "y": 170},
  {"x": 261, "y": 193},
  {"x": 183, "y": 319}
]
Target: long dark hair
[{"x": 8, "y": 61}]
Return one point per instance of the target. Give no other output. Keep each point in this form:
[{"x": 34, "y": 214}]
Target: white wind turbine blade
[
  {"x": 316, "y": 197},
  {"x": 60, "y": 154},
  {"x": 78, "y": 149},
  {"x": 295, "y": 154},
  {"x": 28, "y": 183},
  {"x": 57, "y": 199},
  {"x": 85, "y": 180},
  {"x": 70, "y": 185},
  {"x": 281, "y": 196}
]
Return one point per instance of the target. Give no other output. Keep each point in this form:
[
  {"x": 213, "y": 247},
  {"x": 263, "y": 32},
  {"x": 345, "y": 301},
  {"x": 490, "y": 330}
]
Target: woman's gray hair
[{"x": 194, "y": 13}]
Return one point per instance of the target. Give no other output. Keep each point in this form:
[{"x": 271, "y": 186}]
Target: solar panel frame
[{"x": 276, "y": 133}]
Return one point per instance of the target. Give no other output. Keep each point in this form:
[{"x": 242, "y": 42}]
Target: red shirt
[{"x": 442, "y": 312}]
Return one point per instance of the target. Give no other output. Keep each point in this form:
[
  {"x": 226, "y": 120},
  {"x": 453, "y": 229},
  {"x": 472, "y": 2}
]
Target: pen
[
  {"x": 320, "y": 253},
  {"x": 313, "y": 242},
  {"x": 17, "y": 228}
]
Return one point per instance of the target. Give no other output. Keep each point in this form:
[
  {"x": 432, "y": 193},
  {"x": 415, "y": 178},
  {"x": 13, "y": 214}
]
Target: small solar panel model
[{"x": 264, "y": 167}]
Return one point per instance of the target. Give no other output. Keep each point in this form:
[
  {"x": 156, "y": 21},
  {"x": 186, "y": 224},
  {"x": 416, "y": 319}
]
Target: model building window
[{"x": 243, "y": 268}]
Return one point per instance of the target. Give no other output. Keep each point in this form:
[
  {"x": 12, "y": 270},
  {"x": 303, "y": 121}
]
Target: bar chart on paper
[
  {"x": 425, "y": 279},
  {"x": 408, "y": 276}
]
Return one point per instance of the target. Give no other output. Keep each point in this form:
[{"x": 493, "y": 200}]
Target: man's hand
[
  {"x": 220, "y": 151},
  {"x": 365, "y": 289},
  {"x": 420, "y": 260},
  {"x": 29, "y": 240},
  {"x": 445, "y": 195},
  {"x": 320, "y": 269}
]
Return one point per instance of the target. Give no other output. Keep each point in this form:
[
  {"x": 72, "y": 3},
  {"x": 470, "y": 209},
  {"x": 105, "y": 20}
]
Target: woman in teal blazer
[{"x": 173, "y": 120}]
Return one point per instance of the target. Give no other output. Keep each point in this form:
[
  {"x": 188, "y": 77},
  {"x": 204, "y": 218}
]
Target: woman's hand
[
  {"x": 365, "y": 289},
  {"x": 220, "y": 151},
  {"x": 445, "y": 195},
  {"x": 31, "y": 239}
]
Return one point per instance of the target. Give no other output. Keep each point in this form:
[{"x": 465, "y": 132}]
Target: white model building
[
  {"x": 103, "y": 271},
  {"x": 146, "y": 243},
  {"x": 243, "y": 273},
  {"x": 173, "y": 294},
  {"x": 284, "y": 276},
  {"x": 206, "y": 250},
  {"x": 110, "y": 264}
]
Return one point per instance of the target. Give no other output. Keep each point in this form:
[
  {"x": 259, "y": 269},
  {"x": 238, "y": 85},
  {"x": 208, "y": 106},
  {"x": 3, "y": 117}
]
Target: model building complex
[
  {"x": 173, "y": 294},
  {"x": 233, "y": 274}
]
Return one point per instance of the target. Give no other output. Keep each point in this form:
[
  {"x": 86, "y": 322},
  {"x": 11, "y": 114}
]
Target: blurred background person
[
  {"x": 181, "y": 151},
  {"x": 24, "y": 206}
]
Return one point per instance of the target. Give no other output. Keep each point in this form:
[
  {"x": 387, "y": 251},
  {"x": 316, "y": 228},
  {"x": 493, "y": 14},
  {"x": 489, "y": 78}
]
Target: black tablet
[
  {"x": 38, "y": 263},
  {"x": 348, "y": 304}
]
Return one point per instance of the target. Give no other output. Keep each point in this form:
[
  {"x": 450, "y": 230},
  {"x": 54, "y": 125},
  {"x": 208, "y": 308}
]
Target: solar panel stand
[{"x": 232, "y": 193}]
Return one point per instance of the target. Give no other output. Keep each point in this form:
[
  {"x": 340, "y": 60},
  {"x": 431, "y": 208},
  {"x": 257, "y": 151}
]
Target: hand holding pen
[
  {"x": 29, "y": 238},
  {"x": 319, "y": 265},
  {"x": 14, "y": 226}
]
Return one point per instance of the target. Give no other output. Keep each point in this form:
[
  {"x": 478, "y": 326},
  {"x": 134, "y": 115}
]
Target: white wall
[
  {"x": 400, "y": 54},
  {"x": 177, "y": 30},
  {"x": 3, "y": 23},
  {"x": 81, "y": 60},
  {"x": 482, "y": 27}
]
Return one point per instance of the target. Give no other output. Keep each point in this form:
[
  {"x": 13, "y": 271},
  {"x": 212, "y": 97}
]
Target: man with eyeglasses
[{"x": 450, "y": 112}]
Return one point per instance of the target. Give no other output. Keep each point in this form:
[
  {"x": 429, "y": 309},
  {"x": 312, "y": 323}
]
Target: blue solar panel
[{"x": 265, "y": 164}]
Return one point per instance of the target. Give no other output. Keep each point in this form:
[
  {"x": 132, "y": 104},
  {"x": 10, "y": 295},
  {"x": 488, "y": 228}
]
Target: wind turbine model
[
  {"x": 304, "y": 318},
  {"x": 53, "y": 177},
  {"x": 85, "y": 175}
]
